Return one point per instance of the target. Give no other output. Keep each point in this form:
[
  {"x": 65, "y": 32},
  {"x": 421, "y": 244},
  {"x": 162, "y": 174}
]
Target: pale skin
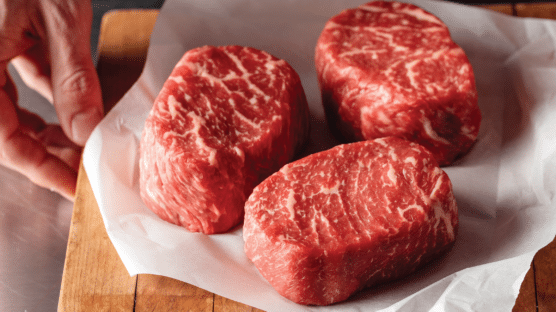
[{"x": 47, "y": 41}]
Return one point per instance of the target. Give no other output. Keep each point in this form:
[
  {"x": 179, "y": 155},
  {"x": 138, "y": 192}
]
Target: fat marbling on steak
[
  {"x": 392, "y": 69},
  {"x": 332, "y": 223},
  {"x": 225, "y": 119}
]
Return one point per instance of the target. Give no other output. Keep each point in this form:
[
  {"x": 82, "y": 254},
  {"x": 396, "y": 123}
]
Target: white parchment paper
[{"x": 505, "y": 188}]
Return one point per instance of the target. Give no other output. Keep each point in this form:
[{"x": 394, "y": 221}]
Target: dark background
[{"x": 102, "y": 6}]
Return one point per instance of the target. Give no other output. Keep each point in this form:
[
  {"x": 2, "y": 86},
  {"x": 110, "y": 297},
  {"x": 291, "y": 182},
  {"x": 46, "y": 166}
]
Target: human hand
[{"x": 47, "y": 41}]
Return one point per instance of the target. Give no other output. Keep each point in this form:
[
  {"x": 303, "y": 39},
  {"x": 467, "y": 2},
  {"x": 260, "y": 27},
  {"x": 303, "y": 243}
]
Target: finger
[
  {"x": 75, "y": 85},
  {"x": 22, "y": 153},
  {"x": 14, "y": 37},
  {"x": 25, "y": 155},
  {"x": 33, "y": 67},
  {"x": 29, "y": 121},
  {"x": 70, "y": 156},
  {"x": 59, "y": 145},
  {"x": 7, "y": 84},
  {"x": 51, "y": 136}
]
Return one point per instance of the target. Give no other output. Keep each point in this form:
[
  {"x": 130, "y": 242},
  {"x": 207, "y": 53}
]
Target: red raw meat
[
  {"x": 226, "y": 118},
  {"x": 332, "y": 223},
  {"x": 392, "y": 69}
]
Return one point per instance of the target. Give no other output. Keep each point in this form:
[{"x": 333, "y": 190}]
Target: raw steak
[
  {"x": 332, "y": 223},
  {"x": 392, "y": 69},
  {"x": 226, "y": 118}
]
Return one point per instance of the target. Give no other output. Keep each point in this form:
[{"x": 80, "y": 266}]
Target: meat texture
[
  {"x": 226, "y": 118},
  {"x": 359, "y": 214},
  {"x": 392, "y": 69}
]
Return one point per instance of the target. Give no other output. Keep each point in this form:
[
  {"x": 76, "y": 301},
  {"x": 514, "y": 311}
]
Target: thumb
[{"x": 75, "y": 86}]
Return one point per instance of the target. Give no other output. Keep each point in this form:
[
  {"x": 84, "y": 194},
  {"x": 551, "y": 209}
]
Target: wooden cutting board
[{"x": 94, "y": 277}]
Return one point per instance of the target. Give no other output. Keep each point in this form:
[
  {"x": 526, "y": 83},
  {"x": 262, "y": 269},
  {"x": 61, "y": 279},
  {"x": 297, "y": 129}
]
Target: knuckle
[{"x": 78, "y": 81}]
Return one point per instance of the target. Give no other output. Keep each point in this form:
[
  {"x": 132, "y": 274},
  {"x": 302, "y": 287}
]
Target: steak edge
[
  {"x": 359, "y": 214},
  {"x": 392, "y": 69},
  {"x": 225, "y": 119}
]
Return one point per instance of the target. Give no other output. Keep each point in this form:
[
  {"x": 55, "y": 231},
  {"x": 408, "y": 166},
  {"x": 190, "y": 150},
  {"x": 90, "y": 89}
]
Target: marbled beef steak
[
  {"x": 392, "y": 69},
  {"x": 226, "y": 118},
  {"x": 332, "y": 223}
]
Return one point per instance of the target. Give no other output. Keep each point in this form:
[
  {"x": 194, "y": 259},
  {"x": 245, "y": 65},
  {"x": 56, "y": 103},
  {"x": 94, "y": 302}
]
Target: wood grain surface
[{"x": 94, "y": 277}]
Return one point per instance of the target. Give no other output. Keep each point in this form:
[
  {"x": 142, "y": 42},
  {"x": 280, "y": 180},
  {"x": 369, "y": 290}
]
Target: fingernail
[{"x": 83, "y": 124}]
